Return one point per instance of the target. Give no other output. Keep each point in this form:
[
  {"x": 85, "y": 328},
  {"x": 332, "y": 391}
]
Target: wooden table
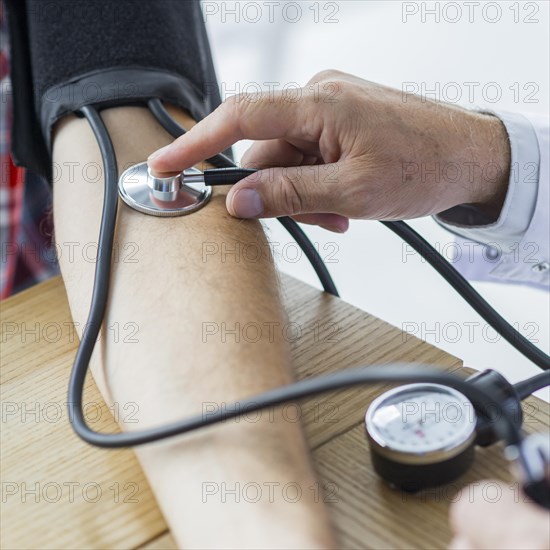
[{"x": 57, "y": 492}]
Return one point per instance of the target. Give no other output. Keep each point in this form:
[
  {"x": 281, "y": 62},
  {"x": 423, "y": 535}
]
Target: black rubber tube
[
  {"x": 299, "y": 390},
  {"x": 526, "y": 387},
  {"x": 222, "y": 161},
  {"x": 470, "y": 294}
]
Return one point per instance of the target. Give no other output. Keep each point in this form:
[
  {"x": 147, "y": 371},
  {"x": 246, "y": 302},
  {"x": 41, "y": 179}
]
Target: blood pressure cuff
[{"x": 70, "y": 53}]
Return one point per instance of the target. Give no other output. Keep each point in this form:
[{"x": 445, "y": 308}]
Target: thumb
[{"x": 276, "y": 192}]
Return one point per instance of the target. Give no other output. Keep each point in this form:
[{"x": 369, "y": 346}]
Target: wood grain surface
[{"x": 58, "y": 492}]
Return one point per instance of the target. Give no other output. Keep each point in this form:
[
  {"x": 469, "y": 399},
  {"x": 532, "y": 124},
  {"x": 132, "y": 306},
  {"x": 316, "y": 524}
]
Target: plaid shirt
[{"x": 27, "y": 252}]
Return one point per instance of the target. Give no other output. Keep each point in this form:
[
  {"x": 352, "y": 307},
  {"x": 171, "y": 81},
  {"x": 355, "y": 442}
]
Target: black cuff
[
  {"x": 66, "y": 54},
  {"x": 119, "y": 86}
]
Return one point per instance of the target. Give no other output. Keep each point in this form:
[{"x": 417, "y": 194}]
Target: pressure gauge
[{"x": 421, "y": 435}]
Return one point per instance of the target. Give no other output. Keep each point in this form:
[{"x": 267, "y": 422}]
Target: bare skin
[
  {"x": 510, "y": 522},
  {"x": 162, "y": 285},
  {"x": 346, "y": 148}
]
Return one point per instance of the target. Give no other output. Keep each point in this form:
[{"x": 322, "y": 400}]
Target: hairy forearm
[{"x": 168, "y": 291}]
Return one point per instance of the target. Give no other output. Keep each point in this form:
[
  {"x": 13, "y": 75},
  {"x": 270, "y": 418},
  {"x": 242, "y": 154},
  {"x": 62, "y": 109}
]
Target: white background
[{"x": 395, "y": 42}]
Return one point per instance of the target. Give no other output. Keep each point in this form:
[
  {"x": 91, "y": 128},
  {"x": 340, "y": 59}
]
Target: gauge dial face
[{"x": 420, "y": 419}]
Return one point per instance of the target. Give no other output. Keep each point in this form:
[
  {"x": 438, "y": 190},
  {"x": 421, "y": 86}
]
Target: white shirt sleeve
[{"x": 515, "y": 248}]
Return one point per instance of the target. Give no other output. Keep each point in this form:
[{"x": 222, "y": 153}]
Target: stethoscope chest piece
[{"x": 162, "y": 197}]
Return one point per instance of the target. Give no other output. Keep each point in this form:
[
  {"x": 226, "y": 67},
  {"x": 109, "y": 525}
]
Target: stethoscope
[{"x": 420, "y": 434}]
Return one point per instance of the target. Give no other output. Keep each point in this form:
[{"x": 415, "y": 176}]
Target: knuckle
[
  {"x": 335, "y": 90},
  {"x": 231, "y": 102},
  {"x": 240, "y": 109},
  {"x": 290, "y": 198},
  {"x": 242, "y": 101},
  {"x": 232, "y": 107},
  {"x": 326, "y": 74},
  {"x": 357, "y": 198},
  {"x": 343, "y": 88}
]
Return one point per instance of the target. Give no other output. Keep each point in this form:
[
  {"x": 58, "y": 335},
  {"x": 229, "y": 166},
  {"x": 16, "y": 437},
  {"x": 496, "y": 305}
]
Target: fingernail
[
  {"x": 247, "y": 203},
  {"x": 159, "y": 152}
]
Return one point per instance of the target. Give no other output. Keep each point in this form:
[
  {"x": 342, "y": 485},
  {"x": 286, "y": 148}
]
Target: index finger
[{"x": 258, "y": 117}]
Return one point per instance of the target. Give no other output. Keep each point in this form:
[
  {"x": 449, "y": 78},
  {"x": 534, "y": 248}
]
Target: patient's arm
[{"x": 163, "y": 284}]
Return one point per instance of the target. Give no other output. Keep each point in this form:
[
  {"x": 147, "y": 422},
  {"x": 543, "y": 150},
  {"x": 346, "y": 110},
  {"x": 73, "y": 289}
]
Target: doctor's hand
[
  {"x": 483, "y": 521},
  {"x": 342, "y": 147}
]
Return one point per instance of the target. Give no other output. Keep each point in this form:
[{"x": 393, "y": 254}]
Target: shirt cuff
[{"x": 521, "y": 198}]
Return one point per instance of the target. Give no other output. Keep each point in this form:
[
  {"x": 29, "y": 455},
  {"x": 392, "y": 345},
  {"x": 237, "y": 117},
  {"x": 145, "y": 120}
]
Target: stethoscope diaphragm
[{"x": 163, "y": 197}]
